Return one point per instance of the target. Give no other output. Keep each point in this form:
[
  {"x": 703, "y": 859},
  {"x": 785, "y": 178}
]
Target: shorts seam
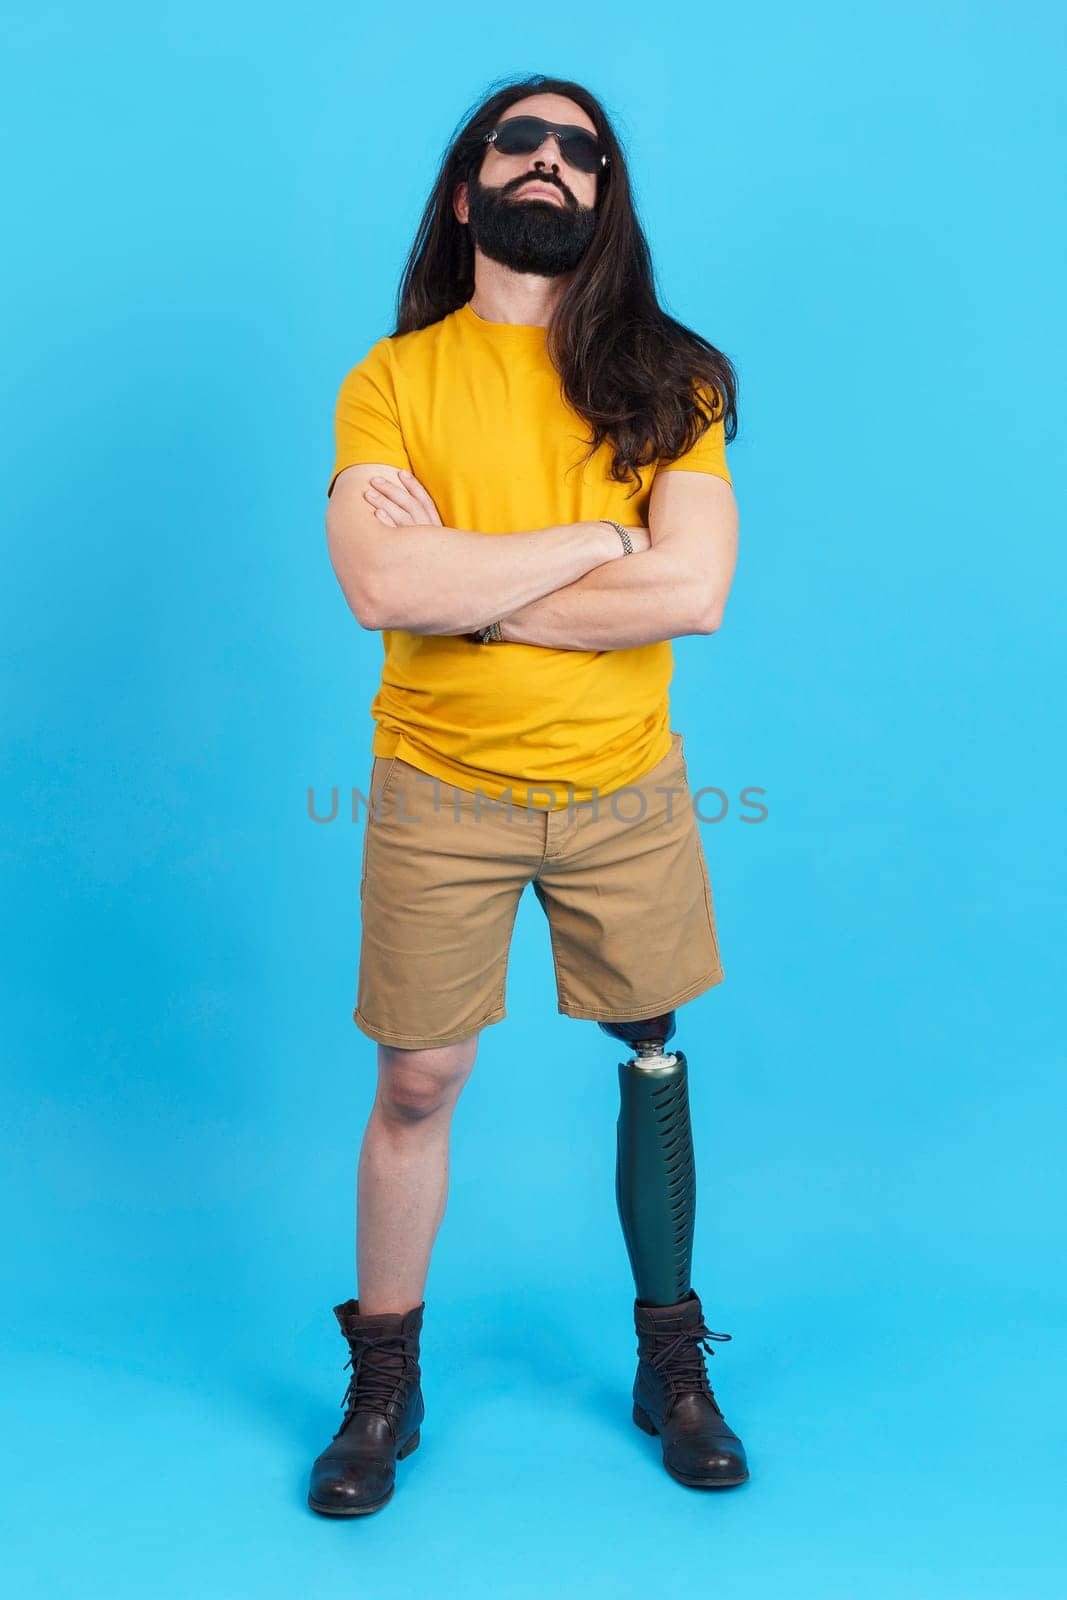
[
  {"x": 706, "y": 876},
  {"x": 501, "y": 995},
  {"x": 418, "y": 1041},
  {"x": 557, "y": 969},
  {"x": 653, "y": 1009}
]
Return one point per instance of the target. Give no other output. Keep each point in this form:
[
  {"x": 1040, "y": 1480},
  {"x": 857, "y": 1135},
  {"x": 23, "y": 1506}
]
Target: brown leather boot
[
  {"x": 384, "y": 1409},
  {"x": 672, "y": 1396}
]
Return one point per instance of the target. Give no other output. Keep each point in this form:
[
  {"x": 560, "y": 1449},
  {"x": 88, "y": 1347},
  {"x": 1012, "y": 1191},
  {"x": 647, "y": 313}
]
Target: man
[{"x": 527, "y": 580}]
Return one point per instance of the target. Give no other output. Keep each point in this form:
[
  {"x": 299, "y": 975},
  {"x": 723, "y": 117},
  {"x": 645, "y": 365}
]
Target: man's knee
[{"x": 415, "y": 1084}]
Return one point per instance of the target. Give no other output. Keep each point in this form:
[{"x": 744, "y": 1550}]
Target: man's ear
[{"x": 459, "y": 201}]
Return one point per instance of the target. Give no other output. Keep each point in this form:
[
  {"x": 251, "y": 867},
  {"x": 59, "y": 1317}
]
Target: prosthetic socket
[{"x": 655, "y": 1180}]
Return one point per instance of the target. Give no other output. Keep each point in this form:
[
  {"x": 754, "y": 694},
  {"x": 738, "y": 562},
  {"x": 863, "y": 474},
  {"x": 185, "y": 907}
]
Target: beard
[{"x": 529, "y": 233}]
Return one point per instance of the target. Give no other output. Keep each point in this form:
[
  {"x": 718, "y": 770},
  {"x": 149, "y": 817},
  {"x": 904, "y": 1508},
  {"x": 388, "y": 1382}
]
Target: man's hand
[{"x": 403, "y": 504}]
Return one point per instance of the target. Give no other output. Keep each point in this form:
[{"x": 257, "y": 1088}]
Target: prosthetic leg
[
  {"x": 655, "y": 1184},
  {"x": 655, "y": 1190}
]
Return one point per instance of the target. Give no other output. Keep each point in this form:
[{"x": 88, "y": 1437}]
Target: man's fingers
[
  {"x": 408, "y": 502},
  {"x": 422, "y": 495},
  {"x": 384, "y": 491}
]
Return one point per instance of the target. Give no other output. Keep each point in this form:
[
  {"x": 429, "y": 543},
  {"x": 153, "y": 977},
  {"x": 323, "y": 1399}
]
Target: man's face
[{"x": 535, "y": 212}]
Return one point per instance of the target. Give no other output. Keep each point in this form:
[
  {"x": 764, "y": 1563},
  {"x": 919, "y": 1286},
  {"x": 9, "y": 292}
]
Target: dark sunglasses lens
[
  {"x": 521, "y": 135},
  {"x": 582, "y": 152}
]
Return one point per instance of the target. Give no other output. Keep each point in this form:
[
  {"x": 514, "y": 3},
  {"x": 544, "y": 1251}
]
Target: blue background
[{"x": 209, "y": 208}]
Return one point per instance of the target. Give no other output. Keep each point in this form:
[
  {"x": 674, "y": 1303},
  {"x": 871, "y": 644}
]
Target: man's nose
[{"x": 545, "y": 151}]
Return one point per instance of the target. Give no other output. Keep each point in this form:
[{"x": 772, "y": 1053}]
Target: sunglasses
[{"x": 521, "y": 136}]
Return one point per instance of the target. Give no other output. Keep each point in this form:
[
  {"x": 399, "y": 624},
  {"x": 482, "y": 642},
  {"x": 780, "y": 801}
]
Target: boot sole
[
  {"x": 364, "y": 1511},
  {"x": 645, "y": 1423}
]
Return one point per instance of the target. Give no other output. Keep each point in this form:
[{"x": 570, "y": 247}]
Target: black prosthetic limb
[
  {"x": 655, "y": 1186},
  {"x": 655, "y": 1181}
]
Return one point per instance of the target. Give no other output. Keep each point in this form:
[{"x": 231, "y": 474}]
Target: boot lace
[
  {"x": 680, "y": 1359},
  {"x": 378, "y": 1375}
]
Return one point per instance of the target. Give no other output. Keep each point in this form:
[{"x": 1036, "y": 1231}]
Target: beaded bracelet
[{"x": 622, "y": 533}]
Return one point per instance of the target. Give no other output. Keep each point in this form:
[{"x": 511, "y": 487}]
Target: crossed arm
[
  {"x": 677, "y": 586},
  {"x": 675, "y": 583}
]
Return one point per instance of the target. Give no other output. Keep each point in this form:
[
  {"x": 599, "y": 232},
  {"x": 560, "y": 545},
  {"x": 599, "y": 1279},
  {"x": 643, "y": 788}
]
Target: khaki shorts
[{"x": 625, "y": 890}]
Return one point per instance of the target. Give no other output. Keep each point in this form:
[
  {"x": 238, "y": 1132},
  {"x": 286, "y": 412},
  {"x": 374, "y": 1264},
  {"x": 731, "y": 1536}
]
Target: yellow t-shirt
[{"x": 473, "y": 408}]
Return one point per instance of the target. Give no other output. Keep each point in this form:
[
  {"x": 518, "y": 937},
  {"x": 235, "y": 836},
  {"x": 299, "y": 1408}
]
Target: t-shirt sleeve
[
  {"x": 366, "y": 423},
  {"x": 709, "y": 452}
]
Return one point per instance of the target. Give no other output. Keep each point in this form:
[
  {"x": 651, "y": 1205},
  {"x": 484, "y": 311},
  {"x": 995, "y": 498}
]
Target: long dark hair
[{"x": 630, "y": 370}]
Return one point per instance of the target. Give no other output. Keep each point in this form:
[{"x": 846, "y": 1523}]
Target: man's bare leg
[{"x": 402, "y": 1184}]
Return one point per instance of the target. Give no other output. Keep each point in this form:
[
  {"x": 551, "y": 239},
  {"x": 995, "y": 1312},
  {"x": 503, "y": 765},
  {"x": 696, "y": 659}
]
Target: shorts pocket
[
  {"x": 389, "y": 774},
  {"x": 381, "y": 772},
  {"x": 363, "y": 863}
]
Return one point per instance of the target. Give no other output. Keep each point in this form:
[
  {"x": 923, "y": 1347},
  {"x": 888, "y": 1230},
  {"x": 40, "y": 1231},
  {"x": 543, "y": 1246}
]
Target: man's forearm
[
  {"x": 642, "y": 599},
  {"x": 450, "y": 580}
]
